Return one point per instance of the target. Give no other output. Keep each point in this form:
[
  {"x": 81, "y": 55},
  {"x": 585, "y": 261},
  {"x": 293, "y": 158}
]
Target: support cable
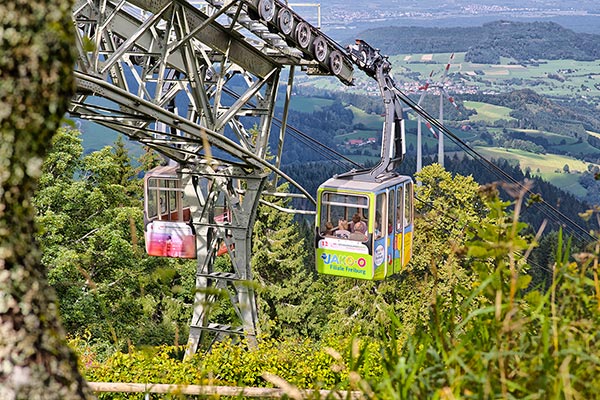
[
  {"x": 313, "y": 143},
  {"x": 574, "y": 226},
  {"x": 328, "y": 153}
]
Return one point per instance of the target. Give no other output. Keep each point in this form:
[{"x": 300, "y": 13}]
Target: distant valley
[
  {"x": 526, "y": 92},
  {"x": 343, "y": 19},
  {"x": 521, "y": 43}
]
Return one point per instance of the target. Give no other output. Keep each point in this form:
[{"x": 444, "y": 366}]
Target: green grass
[
  {"x": 548, "y": 166},
  {"x": 322, "y": 82},
  {"x": 579, "y": 148},
  {"x": 545, "y": 162},
  {"x": 566, "y": 182},
  {"x": 370, "y": 121},
  {"x": 594, "y": 134},
  {"x": 308, "y": 104},
  {"x": 488, "y": 112}
]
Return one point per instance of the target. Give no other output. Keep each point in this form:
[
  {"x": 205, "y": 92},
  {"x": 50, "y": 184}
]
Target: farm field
[
  {"x": 308, "y": 104},
  {"x": 594, "y": 134},
  {"x": 488, "y": 112},
  {"x": 549, "y": 77},
  {"x": 548, "y": 166},
  {"x": 370, "y": 121}
]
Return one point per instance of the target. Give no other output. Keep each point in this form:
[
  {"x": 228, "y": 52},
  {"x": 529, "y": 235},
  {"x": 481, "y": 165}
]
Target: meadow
[
  {"x": 548, "y": 166},
  {"x": 488, "y": 112}
]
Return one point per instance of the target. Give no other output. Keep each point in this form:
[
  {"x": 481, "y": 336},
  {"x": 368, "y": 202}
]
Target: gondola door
[
  {"x": 403, "y": 226},
  {"x": 168, "y": 232},
  {"x": 391, "y": 242},
  {"x": 380, "y": 237}
]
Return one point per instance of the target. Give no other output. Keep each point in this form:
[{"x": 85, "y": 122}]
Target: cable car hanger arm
[{"x": 393, "y": 143}]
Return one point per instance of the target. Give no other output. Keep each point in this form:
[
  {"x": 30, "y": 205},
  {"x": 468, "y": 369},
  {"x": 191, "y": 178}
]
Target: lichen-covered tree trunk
[{"x": 36, "y": 84}]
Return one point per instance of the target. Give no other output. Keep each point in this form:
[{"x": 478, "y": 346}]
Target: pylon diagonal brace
[
  {"x": 164, "y": 73},
  {"x": 236, "y": 231}
]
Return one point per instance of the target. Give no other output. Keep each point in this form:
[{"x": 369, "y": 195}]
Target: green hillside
[
  {"x": 548, "y": 166},
  {"x": 488, "y": 112},
  {"x": 487, "y": 44}
]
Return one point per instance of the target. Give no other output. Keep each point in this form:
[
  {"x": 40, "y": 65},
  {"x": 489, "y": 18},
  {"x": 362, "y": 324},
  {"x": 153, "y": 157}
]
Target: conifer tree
[
  {"x": 90, "y": 218},
  {"x": 289, "y": 295}
]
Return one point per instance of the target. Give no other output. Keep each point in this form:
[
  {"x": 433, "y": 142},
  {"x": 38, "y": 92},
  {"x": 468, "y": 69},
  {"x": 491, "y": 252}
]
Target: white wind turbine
[{"x": 443, "y": 93}]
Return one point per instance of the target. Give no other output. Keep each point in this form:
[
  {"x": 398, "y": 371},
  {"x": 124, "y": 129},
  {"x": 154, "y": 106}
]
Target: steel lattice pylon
[{"x": 190, "y": 80}]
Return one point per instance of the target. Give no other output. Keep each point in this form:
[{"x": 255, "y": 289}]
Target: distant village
[
  {"x": 341, "y": 15},
  {"x": 353, "y": 143}
]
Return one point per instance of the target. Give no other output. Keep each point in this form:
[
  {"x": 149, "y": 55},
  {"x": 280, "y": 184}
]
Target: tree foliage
[
  {"x": 519, "y": 342},
  {"x": 89, "y": 211},
  {"x": 482, "y": 330},
  {"x": 292, "y": 302},
  {"x": 525, "y": 42}
]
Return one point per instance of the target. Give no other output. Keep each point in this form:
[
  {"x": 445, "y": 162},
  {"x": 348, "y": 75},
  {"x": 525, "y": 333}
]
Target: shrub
[{"x": 521, "y": 342}]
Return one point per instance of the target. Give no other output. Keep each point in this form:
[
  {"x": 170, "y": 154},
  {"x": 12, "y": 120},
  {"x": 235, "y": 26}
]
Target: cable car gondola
[
  {"x": 364, "y": 222},
  {"x": 386, "y": 208},
  {"x": 168, "y": 231}
]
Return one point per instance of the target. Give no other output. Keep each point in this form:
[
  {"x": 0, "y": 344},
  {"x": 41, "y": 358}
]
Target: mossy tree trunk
[{"x": 36, "y": 84}]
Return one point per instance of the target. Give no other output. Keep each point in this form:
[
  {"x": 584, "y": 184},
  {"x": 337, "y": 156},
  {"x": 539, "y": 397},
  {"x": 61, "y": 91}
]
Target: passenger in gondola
[
  {"x": 342, "y": 229},
  {"x": 329, "y": 229},
  {"x": 377, "y": 231},
  {"x": 359, "y": 230},
  {"x": 355, "y": 219},
  {"x": 163, "y": 207},
  {"x": 401, "y": 221}
]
